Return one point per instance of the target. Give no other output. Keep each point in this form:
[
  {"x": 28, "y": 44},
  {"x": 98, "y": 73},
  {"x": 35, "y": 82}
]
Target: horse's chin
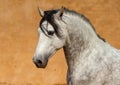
[{"x": 41, "y": 66}]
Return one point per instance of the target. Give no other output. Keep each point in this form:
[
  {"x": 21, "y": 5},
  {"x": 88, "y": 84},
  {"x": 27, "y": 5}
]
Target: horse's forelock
[{"x": 49, "y": 18}]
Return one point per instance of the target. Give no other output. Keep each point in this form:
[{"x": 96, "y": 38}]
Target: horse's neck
[
  {"x": 76, "y": 50},
  {"x": 80, "y": 41}
]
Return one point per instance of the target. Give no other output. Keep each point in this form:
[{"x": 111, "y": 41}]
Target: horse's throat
[{"x": 73, "y": 51}]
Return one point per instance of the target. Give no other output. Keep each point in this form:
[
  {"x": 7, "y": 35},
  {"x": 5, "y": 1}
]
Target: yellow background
[{"x": 19, "y": 20}]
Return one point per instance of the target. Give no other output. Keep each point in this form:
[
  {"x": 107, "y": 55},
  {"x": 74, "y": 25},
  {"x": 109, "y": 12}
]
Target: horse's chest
[
  {"x": 83, "y": 80},
  {"x": 76, "y": 78},
  {"x": 82, "y": 76}
]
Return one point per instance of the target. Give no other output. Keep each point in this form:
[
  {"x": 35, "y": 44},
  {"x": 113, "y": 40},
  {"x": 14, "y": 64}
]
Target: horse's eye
[{"x": 50, "y": 32}]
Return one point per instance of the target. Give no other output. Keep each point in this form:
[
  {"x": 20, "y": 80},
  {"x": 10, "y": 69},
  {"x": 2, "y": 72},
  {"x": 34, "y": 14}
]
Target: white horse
[{"x": 90, "y": 59}]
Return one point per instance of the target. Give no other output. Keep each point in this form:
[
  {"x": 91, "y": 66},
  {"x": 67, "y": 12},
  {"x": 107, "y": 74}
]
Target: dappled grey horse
[{"x": 90, "y": 59}]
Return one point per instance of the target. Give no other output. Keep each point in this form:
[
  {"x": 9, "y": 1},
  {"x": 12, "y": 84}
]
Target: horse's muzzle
[{"x": 40, "y": 63}]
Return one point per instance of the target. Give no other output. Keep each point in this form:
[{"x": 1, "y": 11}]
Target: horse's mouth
[{"x": 40, "y": 66}]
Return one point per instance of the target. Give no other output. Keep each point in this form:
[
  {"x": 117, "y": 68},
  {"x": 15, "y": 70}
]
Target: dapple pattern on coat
[{"x": 90, "y": 60}]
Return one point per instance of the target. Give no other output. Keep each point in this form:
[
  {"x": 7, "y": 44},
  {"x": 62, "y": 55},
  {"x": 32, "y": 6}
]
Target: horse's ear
[
  {"x": 60, "y": 12},
  {"x": 41, "y": 12}
]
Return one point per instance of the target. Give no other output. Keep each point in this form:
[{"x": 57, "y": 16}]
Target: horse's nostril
[{"x": 39, "y": 61}]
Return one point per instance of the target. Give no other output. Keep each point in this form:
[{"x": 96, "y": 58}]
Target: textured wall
[{"x": 19, "y": 20}]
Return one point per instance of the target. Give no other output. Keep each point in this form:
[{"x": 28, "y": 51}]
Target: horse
[{"x": 90, "y": 59}]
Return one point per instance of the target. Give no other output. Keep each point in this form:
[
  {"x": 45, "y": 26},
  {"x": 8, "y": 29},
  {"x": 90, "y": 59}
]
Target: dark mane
[{"x": 49, "y": 17}]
